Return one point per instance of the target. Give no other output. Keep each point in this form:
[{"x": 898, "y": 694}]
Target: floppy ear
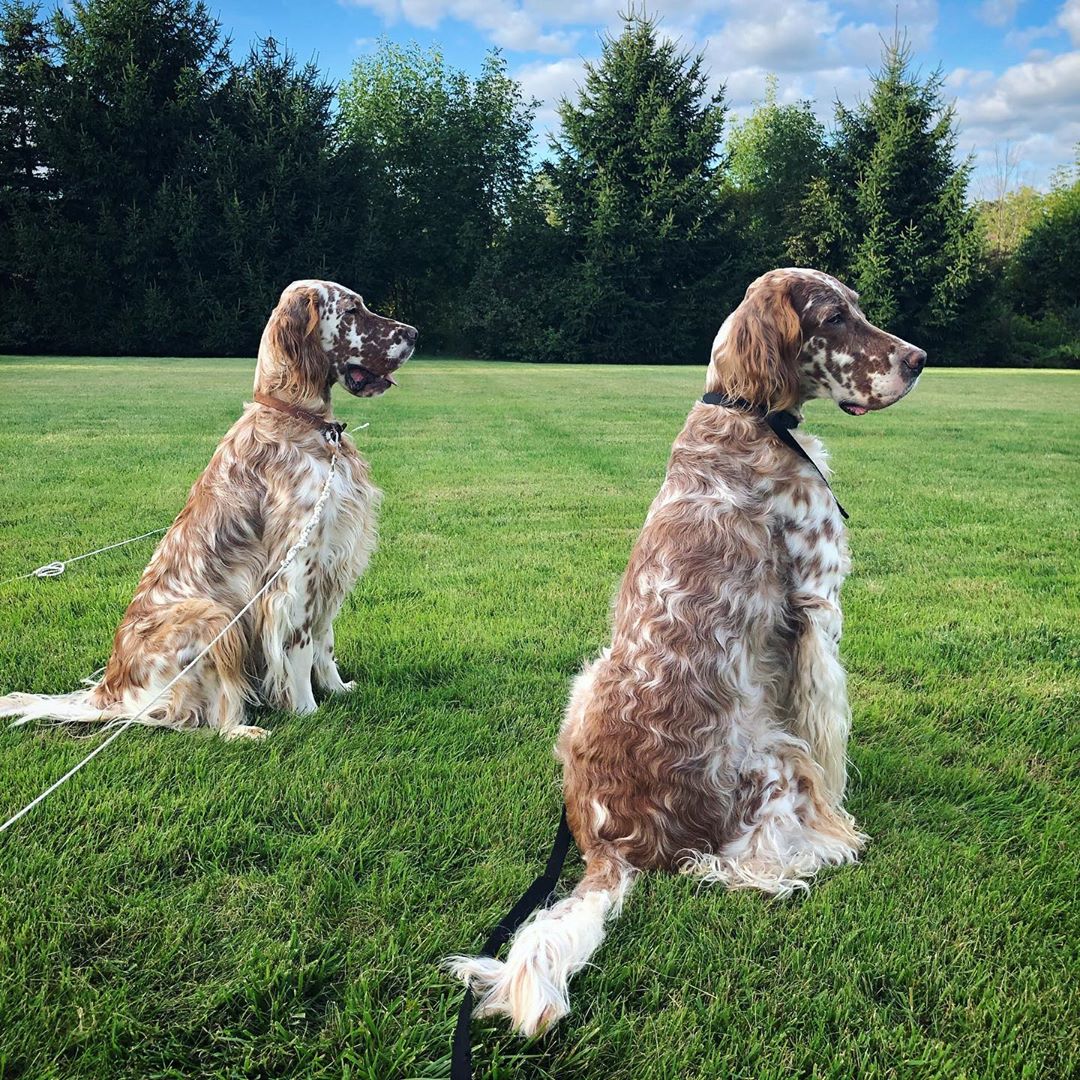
[
  {"x": 757, "y": 358},
  {"x": 300, "y": 366}
]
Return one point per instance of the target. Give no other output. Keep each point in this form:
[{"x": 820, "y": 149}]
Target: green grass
[{"x": 187, "y": 907}]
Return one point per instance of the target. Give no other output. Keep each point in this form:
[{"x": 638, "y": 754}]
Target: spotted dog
[
  {"x": 710, "y": 736},
  {"x": 243, "y": 514}
]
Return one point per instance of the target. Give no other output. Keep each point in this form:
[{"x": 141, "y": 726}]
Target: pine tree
[
  {"x": 890, "y": 216},
  {"x": 637, "y": 191},
  {"x": 26, "y": 75},
  {"x": 271, "y": 193},
  {"x": 130, "y": 114}
]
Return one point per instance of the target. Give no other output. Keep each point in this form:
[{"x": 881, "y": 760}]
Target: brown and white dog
[
  {"x": 710, "y": 737},
  {"x": 243, "y": 514}
]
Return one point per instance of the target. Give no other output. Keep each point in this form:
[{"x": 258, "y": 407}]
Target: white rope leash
[
  {"x": 301, "y": 543},
  {"x": 55, "y": 569}
]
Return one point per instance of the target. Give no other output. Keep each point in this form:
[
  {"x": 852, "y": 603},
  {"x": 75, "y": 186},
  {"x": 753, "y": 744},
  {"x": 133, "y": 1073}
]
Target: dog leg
[
  {"x": 791, "y": 826},
  {"x": 327, "y": 676},
  {"x": 820, "y": 712},
  {"x": 299, "y": 658},
  {"x": 284, "y": 621}
]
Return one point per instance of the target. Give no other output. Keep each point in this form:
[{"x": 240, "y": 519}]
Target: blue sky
[{"x": 1012, "y": 66}]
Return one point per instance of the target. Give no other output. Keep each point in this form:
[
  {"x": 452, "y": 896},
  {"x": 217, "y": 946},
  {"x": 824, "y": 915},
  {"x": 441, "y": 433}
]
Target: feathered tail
[
  {"x": 531, "y": 987},
  {"x": 74, "y": 708}
]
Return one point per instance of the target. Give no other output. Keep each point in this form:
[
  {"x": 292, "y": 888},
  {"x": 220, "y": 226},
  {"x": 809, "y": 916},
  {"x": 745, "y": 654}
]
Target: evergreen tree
[
  {"x": 890, "y": 216},
  {"x": 26, "y": 77},
  {"x": 130, "y": 115},
  {"x": 775, "y": 155},
  {"x": 637, "y": 190},
  {"x": 272, "y": 195}
]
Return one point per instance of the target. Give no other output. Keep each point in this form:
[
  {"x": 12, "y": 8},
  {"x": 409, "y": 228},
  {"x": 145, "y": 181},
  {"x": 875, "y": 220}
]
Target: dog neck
[
  {"x": 780, "y": 422},
  {"x": 788, "y": 418},
  {"x": 331, "y": 429}
]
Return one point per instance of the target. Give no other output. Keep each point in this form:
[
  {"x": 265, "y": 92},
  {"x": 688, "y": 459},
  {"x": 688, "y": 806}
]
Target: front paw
[
  {"x": 246, "y": 731},
  {"x": 342, "y": 687}
]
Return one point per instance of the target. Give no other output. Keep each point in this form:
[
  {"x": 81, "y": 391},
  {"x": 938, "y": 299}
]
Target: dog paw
[
  {"x": 246, "y": 731},
  {"x": 304, "y": 708},
  {"x": 342, "y": 687}
]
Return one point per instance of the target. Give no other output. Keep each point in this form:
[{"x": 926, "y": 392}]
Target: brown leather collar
[{"x": 331, "y": 429}]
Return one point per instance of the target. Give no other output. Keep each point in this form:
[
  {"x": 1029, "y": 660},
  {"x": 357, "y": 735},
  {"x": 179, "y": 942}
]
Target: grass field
[{"x": 186, "y": 907}]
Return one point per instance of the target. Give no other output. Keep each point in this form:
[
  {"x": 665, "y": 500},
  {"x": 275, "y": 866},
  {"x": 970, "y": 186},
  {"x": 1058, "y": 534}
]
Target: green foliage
[
  {"x": 26, "y": 77},
  {"x": 1006, "y": 221},
  {"x": 890, "y": 216},
  {"x": 129, "y": 98},
  {"x": 1045, "y": 272},
  {"x": 445, "y": 155},
  {"x": 775, "y": 156},
  {"x": 169, "y": 192},
  {"x": 636, "y": 189},
  {"x": 275, "y": 195}
]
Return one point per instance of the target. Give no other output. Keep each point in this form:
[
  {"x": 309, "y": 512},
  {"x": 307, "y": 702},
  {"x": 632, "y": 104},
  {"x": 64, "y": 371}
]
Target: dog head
[
  {"x": 800, "y": 334},
  {"x": 321, "y": 333}
]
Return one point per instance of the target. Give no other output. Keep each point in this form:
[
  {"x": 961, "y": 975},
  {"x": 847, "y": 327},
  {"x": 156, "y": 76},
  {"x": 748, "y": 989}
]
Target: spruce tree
[
  {"x": 637, "y": 191},
  {"x": 130, "y": 115},
  {"x": 890, "y": 216},
  {"x": 273, "y": 199},
  {"x": 26, "y": 76}
]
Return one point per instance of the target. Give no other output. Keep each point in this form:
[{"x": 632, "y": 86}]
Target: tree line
[{"x": 156, "y": 194}]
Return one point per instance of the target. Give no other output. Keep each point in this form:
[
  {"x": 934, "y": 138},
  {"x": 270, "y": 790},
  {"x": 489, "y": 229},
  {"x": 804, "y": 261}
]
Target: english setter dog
[
  {"x": 243, "y": 514},
  {"x": 710, "y": 737}
]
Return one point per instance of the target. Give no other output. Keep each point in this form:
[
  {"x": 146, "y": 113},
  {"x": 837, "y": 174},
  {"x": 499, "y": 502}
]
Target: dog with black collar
[{"x": 710, "y": 737}]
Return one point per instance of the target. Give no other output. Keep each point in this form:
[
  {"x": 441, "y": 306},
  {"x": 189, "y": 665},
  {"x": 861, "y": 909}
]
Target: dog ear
[
  {"x": 291, "y": 334},
  {"x": 757, "y": 358}
]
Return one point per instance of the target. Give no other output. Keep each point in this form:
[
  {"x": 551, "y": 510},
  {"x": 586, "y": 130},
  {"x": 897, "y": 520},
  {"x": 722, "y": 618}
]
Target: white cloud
[
  {"x": 1034, "y": 107},
  {"x": 784, "y": 34},
  {"x": 507, "y": 24},
  {"x": 1069, "y": 19},
  {"x": 550, "y": 82},
  {"x": 998, "y": 12},
  {"x": 1027, "y": 91},
  {"x": 821, "y": 50}
]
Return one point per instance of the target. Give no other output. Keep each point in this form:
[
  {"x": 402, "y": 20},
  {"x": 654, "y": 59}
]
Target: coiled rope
[{"x": 55, "y": 569}]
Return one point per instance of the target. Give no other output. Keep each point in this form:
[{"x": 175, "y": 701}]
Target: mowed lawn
[{"x": 190, "y": 908}]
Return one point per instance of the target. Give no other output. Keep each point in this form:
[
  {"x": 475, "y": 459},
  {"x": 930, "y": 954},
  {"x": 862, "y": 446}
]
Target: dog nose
[
  {"x": 411, "y": 334},
  {"x": 915, "y": 361}
]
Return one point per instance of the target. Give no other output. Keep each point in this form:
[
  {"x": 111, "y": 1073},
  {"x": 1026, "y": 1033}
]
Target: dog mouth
[
  {"x": 853, "y": 408},
  {"x": 363, "y": 382}
]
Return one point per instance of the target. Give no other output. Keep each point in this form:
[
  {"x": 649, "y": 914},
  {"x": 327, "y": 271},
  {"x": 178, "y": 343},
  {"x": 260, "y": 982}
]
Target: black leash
[
  {"x": 780, "y": 424},
  {"x": 538, "y": 894}
]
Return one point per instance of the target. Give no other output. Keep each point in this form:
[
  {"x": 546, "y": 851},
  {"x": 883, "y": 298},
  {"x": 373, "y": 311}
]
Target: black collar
[{"x": 780, "y": 423}]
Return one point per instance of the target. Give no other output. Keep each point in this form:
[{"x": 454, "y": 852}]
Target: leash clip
[{"x": 333, "y": 433}]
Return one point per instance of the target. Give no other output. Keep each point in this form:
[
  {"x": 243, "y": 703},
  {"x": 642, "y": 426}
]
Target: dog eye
[{"x": 836, "y": 318}]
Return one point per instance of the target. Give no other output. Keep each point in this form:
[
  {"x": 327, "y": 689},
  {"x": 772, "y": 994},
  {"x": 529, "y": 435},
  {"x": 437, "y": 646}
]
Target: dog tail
[
  {"x": 76, "y": 708},
  {"x": 531, "y": 987}
]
